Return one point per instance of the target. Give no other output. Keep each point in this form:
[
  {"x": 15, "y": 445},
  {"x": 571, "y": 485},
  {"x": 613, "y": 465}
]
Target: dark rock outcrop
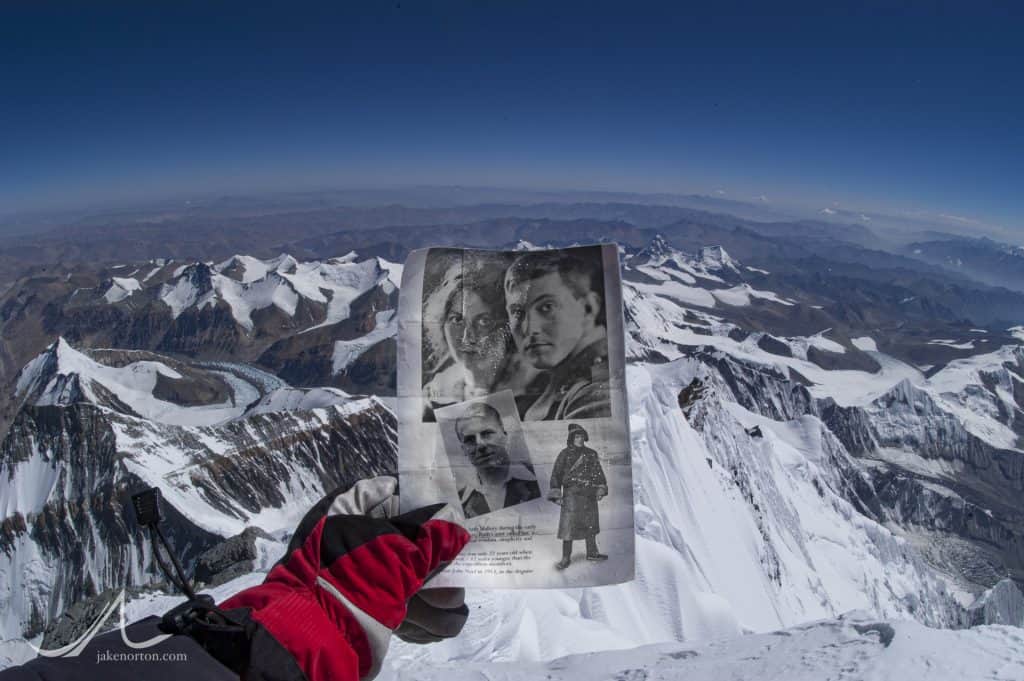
[{"x": 231, "y": 558}]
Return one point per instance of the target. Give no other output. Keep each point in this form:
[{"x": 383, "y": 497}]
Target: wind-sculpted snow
[
  {"x": 787, "y": 500},
  {"x": 944, "y": 450},
  {"x": 298, "y": 399},
  {"x": 737, "y": 533},
  {"x": 857, "y": 647}
]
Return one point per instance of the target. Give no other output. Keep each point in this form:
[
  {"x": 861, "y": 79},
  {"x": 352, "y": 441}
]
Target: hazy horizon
[
  {"x": 264, "y": 201},
  {"x": 866, "y": 109}
]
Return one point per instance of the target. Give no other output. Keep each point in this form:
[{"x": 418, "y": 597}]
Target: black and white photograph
[
  {"x": 578, "y": 485},
  {"x": 487, "y": 454},
  {"x": 534, "y": 323},
  {"x": 512, "y": 409}
]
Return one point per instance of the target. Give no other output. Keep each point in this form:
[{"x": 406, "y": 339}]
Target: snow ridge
[{"x": 247, "y": 285}]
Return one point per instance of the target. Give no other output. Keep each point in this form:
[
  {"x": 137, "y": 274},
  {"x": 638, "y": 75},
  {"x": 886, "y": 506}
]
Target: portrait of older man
[
  {"x": 495, "y": 481},
  {"x": 556, "y": 311}
]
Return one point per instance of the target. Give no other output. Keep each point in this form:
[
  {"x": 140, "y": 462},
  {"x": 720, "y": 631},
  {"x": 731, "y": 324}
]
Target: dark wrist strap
[{"x": 226, "y": 635}]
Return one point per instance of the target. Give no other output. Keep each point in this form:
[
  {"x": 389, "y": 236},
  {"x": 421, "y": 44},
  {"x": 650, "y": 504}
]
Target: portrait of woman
[{"x": 468, "y": 350}]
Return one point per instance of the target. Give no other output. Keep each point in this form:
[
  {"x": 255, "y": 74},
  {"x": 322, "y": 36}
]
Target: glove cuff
[{"x": 306, "y": 624}]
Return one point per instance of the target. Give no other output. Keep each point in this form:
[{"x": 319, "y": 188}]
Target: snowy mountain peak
[
  {"x": 658, "y": 247},
  {"x": 904, "y": 392},
  {"x": 246, "y": 285},
  {"x": 711, "y": 263},
  {"x": 60, "y": 346},
  {"x": 659, "y": 251},
  {"x": 135, "y": 383},
  {"x": 283, "y": 263},
  {"x": 192, "y": 285},
  {"x": 199, "y": 274},
  {"x": 238, "y": 268},
  {"x": 716, "y": 258},
  {"x": 393, "y": 271},
  {"x": 42, "y": 368}
]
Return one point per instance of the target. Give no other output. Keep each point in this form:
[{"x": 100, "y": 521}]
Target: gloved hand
[
  {"x": 351, "y": 576},
  {"x": 555, "y": 495},
  {"x": 432, "y": 614}
]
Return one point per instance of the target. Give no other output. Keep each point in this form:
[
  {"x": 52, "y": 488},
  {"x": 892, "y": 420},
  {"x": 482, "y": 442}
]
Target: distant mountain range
[
  {"x": 817, "y": 426},
  {"x": 982, "y": 259}
]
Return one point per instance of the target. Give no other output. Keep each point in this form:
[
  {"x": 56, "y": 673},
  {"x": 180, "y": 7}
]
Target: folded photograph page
[{"x": 512, "y": 409}]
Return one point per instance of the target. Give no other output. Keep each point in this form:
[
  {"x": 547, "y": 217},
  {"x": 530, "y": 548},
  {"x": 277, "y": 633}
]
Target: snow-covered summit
[
  {"x": 716, "y": 258},
  {"x": 658, "y": 248},
  {"x": 248, "y": 286},
  {"x": 662, "y": 261},
  {"x": 62, "y": 376},
  {"x": 192, "y": 286}
]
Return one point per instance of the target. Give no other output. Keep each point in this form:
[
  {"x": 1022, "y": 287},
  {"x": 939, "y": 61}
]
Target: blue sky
[{"x": 872, "y": 107}]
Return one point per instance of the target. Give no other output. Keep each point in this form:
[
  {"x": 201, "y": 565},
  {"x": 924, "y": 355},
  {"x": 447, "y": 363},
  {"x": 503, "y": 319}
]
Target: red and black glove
[{"x": 327, "y": 609}]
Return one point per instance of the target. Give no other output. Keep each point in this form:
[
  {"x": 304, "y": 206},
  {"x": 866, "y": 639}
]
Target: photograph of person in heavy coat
[{"x": 578, "y": 483}]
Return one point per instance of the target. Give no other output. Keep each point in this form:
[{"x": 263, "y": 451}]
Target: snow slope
[
  {"x": 298, "y": 399},
  {"x": 121, "y": 288},
  {"x": 658, "y": 315},
  {"x": 265, "y": 470},
  {"x": 51, "y": 375},
  {"x": 855, "y": 648},
  {"x": 348, "y": 351},
  {"x": 736, "y": 534}
]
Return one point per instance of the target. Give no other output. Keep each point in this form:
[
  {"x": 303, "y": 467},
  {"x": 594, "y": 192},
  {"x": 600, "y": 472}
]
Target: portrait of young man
[{"x": 556, "y": 315}]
